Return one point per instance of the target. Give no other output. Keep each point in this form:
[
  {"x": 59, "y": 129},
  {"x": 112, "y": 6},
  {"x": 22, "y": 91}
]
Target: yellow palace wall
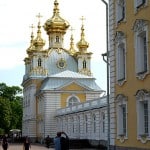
[{"x": 132, "y": 84}]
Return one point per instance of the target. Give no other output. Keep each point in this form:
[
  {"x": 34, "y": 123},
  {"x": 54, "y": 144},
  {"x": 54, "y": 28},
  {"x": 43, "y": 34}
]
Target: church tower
[
  {"x": 35, "y": 72},
  {"x": 36, "y": 60},
  {"x": 83, "y": 56},
  {"x": 56, "y": 28}
]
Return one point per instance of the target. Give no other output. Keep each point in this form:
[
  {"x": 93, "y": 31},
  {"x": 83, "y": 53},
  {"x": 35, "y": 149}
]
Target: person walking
[
  {"x": 61, "y": 141},
  {"x": 48, "y": 141},
  {"x": 4, "y": 143},
  {"x": 26, "y": 144}
]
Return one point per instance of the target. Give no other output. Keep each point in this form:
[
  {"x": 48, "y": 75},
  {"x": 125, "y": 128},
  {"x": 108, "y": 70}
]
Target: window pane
[
  {"x": 146, "y": 117},
  {"x": 73, "y": 101},
  {"x": 124, "y": 119}
]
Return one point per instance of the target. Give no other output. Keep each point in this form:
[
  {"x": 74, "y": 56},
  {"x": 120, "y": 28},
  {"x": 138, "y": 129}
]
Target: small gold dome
[
  {"x": 38, "y": 40},
  {"x": 82, "y": 44}
]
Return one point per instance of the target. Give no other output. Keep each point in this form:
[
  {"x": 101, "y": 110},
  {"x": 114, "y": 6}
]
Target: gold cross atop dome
[
  {"x": 39, "y": 16},
  {"x": 82, "y": 44},
  {"x": 39, "y": 42},
  {"x": 71, "y": 29},
  {"x": 72, "y": 49},
  {"x": 32, "y": 27},
  {"x": 82, "y": 19}
]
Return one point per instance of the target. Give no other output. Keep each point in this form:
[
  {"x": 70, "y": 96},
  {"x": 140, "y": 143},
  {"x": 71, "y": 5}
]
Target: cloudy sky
[{"x": 18, "y": 15}]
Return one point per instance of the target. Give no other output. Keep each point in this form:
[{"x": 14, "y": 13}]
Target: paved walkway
[{"x": 33, "y": 147}]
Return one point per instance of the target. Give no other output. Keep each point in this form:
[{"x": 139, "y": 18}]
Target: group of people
[
  {"x": 61, "y": 142},
  {"x": 26, "y": 144}
]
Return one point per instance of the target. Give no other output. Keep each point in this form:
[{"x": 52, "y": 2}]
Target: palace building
[
  {"x": 129, "y": 55},
  {"x": 59, "y": 81}
]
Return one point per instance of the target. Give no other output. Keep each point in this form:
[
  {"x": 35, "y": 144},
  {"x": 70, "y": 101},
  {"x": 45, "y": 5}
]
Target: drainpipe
[{"x": 107, "y": 63}]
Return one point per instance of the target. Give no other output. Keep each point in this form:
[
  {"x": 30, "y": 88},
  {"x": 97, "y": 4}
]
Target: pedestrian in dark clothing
[
  {"x": 26, "y": 144},
  {"x": 4, "y": 143},
  {"x": 48, "y": 141},
  {"x": 61, "y": 142}
]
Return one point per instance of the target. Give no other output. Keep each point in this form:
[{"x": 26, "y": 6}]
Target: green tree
[
  {"x": 5, "y": 114},
  {"x": 11, "y": 93},
  {"x": 10, "y": 107},
  {"x": 16, "y": 118}
]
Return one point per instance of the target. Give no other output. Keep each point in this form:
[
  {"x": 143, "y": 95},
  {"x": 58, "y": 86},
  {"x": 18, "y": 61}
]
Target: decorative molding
[
  {"x": 120, "y": 2},
  {"x": 122, "y": 138},
  {"x": 121, "y": 82},
  {"x": 142, "y": 76},
  {"x": 139, "y": 25},
  {"x": 142, "y": 94},
  {"x": 61, "y": 63},
  {"x": 119, "y": 37}
]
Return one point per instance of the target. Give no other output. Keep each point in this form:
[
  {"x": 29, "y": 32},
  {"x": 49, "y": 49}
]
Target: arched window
[
  {"x": 73, "y": 101},
  {"x": 57, "y": 39},
  {"x": 39, "y": 62},
  {"x": 84, "y": 64}
]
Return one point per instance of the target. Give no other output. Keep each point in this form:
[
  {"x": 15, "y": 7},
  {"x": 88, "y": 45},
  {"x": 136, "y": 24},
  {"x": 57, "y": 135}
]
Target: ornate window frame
[
  {"x": 73, "y": 98},
  {"x": 140, "y": 28},
  {"x": 142, "y": 97},
  {"x": 120, "y": 40},
  {"x": 121, "y": 111}
]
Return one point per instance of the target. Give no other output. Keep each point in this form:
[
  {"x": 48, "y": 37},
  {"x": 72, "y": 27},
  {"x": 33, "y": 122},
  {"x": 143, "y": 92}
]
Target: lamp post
[{"x": 107, "y": 63}]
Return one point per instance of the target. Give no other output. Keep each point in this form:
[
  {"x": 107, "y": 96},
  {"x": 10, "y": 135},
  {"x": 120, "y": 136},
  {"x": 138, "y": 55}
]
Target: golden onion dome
[
  {"x": 56, "y": 23},
  {"x": 82, "y": 44},
  {"x": 38, "y": 40},
  {"x": 31, "y": 47}
]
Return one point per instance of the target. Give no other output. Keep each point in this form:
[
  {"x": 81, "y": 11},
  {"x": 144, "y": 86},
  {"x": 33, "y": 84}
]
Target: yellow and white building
[
  {"x": 55, "y": 77},
  {"x": 129, "y": 55}
]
